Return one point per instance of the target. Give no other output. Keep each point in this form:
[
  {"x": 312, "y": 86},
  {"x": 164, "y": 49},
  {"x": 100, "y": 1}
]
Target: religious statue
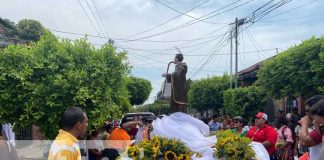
[{"x": 179, "y": 98}]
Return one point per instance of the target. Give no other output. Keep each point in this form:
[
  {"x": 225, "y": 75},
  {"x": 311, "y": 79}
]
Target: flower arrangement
[
  {"x": 159, "y": 148},
  {"x": 133, "y": 152},
  {"x": 232, "y": 146}
]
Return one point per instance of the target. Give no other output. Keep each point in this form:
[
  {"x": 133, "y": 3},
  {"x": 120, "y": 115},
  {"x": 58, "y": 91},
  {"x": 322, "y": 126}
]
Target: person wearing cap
[
  {"x": 239, "y": 126},
  {"x": 263, "y": 133}
]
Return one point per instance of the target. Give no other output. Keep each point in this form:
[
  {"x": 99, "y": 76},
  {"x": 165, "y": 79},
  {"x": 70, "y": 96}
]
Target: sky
[{"x": 149, "y": 30}]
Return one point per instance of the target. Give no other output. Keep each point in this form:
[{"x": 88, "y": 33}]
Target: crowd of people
[
  {"x": 108, "y": 142},
  {"x": 288, "y": 136}
]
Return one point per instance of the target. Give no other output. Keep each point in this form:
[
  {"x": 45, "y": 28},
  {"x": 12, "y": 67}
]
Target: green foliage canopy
[
  {"x": 207, "y": 93},
  {"x": 296, "y": 71},
  {"x": 10, "y": 28},
  {"x": 40, "y": 81},
  {"x": 245, "y": 102},
  {"x": 158, "y": 108},
  {"x": 139, "y": 90},
  {"x": 29, "y": 29}
]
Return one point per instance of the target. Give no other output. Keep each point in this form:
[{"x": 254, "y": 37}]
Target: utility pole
[
  {"x": 236, "y": 51},
  {"x": 111, "y": 41},
  {"x": 277, "y": 51},
  {"x": 231, "y": 60},
  {"x": 238, "y": 23}
]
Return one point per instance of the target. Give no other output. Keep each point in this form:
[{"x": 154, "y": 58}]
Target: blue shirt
[{"x": 214, "y": 126}]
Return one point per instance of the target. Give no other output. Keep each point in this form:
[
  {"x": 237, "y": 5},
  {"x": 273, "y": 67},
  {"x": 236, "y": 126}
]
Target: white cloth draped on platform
[
  {"x": 189, "y": 130},
  {"x": 194, "y": 134}
]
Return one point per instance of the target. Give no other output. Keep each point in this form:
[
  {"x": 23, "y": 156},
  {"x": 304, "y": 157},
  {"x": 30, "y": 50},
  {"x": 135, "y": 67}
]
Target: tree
[
  {"x": 296, "y": 71},
  {"x": 245, "y": 102},
  {"x": 40, "y": 81},
  {"x": 207, "y": 93},
  {"x": 317, "y": 67},
  {"x": 29, "y": 29},
  {"x": 189, "y": 83},
  {"x": 10, "y": 28},
  {"x": 139, "y": 90},
  {"x": 158, "y": 107}
]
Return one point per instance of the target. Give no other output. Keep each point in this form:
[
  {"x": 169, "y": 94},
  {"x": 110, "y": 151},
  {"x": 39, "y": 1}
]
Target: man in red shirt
[{"x": 263, "y": 133}]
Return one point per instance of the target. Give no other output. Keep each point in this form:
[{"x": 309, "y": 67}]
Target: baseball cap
[
  {"x": 262, "y": 115},
  {"x": 239, "y": 118}
]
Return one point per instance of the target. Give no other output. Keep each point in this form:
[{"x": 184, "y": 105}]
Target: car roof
[
  {"x": 140, "y": 113},
  {"x": 130, "y": 116}
]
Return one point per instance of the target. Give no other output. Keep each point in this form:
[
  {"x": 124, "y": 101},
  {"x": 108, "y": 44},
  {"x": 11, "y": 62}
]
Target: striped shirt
[{"x": 65, "y": 147}]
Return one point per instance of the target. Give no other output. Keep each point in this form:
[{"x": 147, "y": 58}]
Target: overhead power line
[
  {"x": 125, "y": 40},
  {"x": 95, "y": 18},
  {"x": 300, "y": 6},
  {"x": 100, "y": 18},
  {"x": 190, "y": 44},
  {"x": 204, "y": 17},
  {"x": 254, "y": 43},
  {"x": 208, "y": 58},
  {"x": 264, "y": 10},
  {"x": 144, "y": 60},
  {"x": 186, "y": 13},
  {"x": 165, "y": 22},
  {"x": 84, "y": 11},
  {"x": 271, "y": 8},
  {"x": 293, "y": 18}
]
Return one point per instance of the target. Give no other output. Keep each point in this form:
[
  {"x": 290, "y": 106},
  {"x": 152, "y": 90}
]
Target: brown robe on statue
[{"x": 179, "y": 98}]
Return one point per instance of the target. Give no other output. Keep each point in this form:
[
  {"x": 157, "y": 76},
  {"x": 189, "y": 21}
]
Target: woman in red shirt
[{"x": 317, "y": 113}]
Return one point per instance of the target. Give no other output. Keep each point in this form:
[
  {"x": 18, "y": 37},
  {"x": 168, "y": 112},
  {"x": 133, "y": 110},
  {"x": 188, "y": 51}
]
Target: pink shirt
[{"x": 287, "y": 134}]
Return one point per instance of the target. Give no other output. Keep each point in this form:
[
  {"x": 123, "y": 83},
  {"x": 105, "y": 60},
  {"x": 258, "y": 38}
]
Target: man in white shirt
[{"x": 10, "y": 135}]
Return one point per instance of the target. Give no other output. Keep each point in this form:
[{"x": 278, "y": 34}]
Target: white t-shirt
[
  {"x": 315, "y": 152},
  {"x": 288, "y": 116},
  {"x": 139, "y": 136}
]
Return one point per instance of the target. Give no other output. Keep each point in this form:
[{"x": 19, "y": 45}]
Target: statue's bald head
[{"x": 179, "y": 56}]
